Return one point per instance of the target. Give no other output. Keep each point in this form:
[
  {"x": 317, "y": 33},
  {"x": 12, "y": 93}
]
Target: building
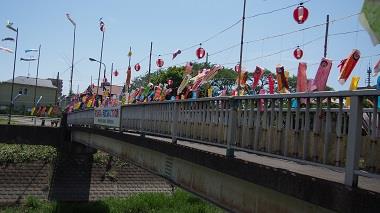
[
  {"x": 25, "y": 86},
  {"x": 58, "y": 84}
]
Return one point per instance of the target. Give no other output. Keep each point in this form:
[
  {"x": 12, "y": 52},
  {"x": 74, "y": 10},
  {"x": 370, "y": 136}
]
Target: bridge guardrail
[{"x": 313, "y": 128}]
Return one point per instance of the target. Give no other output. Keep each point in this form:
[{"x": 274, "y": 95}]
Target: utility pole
[
  {"x": 241, "y": 48},
  {"x": 56, "y": 92},
  {"x": 150, "y": 60}
]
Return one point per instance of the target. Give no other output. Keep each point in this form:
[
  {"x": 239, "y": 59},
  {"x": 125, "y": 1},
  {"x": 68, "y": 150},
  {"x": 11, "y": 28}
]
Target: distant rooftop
[{"x": 32, "y": 81}]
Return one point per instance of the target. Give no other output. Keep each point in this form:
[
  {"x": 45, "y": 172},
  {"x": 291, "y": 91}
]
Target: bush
[{"x": 17, "y": 153}]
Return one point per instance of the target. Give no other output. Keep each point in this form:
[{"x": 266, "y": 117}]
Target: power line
[
  {"x": 234, "y": 24},
  {"x": 208, "y": 39},
  {"x": 281, "y": 51},
  {"x": 276, "y": 10},
  {"x": 292, "y": 32}
]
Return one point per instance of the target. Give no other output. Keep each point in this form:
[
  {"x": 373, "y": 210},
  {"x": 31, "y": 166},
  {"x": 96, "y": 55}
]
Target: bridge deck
[{"x": 370, "y": 184}]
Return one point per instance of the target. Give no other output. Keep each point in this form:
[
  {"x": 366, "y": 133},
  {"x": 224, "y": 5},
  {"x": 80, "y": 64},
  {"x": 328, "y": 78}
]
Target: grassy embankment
[{"x": 179, "y": 201}]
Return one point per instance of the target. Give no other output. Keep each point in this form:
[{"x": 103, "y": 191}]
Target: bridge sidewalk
[{"x": 366, "y": 183}]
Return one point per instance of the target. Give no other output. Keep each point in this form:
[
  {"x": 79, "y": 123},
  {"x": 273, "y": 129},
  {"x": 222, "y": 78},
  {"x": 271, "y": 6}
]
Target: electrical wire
[
  {"x": 276, "y": 10},
  {"x": 292, "y": 32},
  {"x": 234, "y": 24}
]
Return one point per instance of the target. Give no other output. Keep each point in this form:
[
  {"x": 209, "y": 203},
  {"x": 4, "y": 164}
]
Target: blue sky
[{"x": 176, "y": 24}]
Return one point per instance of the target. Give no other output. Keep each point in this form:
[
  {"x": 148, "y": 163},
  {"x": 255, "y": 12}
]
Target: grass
[
  {"x": 5, "y": 121},
  {"x": 18, "y": 153},
  {"x": 179, "y": 201}
]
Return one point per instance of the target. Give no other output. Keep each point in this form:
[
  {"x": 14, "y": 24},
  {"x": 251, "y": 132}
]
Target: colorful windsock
[
  {"x": 353, "y": 86},
  {"x": 271, "y": 84},
  {"x": 320, "y": 80},
  {"x": 283, "y": 86},
  {"x": 259, "y": 71},
  {"x": 376, "y": 68},
  {"x": 301, "y": 77},
  {"x": 347, "y": 65}
]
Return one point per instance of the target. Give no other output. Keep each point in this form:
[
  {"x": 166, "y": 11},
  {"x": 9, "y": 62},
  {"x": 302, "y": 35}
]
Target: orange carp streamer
[
  {"x": 347, "y": 65},
  {"x": 283, "y": 86}
]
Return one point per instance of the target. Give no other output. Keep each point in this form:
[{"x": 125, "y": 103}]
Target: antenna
[{"x": 369, "y": 72}]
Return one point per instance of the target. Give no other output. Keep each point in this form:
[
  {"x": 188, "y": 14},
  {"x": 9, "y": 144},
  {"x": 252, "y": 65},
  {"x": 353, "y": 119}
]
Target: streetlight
[
  {"x": 104, "y": 73},
  {"x": 72, "y": 59},
  {"x": 38, "y": 65},
  {"x": 9, "y": 26}
]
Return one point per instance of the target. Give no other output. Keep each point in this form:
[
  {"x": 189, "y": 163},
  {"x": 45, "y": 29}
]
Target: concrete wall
[
  {"x": 232, "y": 193},
  {"x": 74, "y": 178},
  {"x": 48, "y": 95}
]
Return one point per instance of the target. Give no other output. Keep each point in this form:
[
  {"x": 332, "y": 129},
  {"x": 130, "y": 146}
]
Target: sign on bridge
[{"x": 107, "y": 116}]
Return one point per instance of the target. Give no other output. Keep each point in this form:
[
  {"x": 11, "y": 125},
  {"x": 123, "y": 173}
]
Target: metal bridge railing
[{"x": 314, "y": 128}]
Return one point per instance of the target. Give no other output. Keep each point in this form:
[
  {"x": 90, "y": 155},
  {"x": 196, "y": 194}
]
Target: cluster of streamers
[
  {"x": 89, "y": 99},
  {"x": 43, "y": 111}
]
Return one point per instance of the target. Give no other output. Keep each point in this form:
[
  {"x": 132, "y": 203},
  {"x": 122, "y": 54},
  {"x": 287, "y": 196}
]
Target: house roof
[{"x": 32, "y": 81}]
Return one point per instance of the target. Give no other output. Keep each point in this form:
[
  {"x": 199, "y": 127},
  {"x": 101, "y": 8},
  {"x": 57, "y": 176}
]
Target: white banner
[{"x": 107, "y": 116}]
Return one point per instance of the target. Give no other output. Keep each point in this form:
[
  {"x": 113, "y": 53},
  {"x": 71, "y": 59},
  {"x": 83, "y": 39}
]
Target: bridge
[{"x": 301, "y": 152}]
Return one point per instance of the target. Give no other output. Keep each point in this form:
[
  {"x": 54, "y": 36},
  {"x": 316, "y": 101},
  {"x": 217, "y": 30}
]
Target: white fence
[{"x": 318, "y": 129}]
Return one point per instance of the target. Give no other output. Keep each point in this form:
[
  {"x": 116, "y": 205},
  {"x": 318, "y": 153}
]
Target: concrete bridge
[{"x": 249, "y": 154}]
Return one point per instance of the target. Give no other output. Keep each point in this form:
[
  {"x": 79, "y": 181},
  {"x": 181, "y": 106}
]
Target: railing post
[
  {"x": 354, "y": 141},
  {"x": 232, "y": 128},
  {"x": 121, "y": 119},
  {"x": 142, "y": 120},
  {"x": 174, "y": 125}
]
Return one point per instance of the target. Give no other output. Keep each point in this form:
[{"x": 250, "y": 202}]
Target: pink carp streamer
[
  {"x": 376, "y": 68},
  {"x": 347, "y": 65},
  {"x": 301, "y": 78},
  {"x": 320, "y": 80},
  {"x": 262, "y": 92},
  {"x": 271, "y": 84},
  {"x": 257, "y": 74},
  {"x": 309, "y": 84}
]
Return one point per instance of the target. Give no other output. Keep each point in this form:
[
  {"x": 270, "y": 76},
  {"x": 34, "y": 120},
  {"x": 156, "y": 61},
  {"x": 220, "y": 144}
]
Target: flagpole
[
  {"x": 35, "y": 86},
  {"x": 241, "y": 48},
  {"x": 326, "y": 35},
  {"x": 56, "y": 92},
  {"x": 150, "y": 60},
  {"x": 129, "y": 68},
  {"x": 13, "y": 80},
  {"x": 111, "y": 80},
  {"x": 100, "y": 64}
]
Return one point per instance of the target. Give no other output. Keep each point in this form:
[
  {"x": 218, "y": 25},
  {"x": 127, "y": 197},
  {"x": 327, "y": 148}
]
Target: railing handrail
[{"x": 323, "y": 94}]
